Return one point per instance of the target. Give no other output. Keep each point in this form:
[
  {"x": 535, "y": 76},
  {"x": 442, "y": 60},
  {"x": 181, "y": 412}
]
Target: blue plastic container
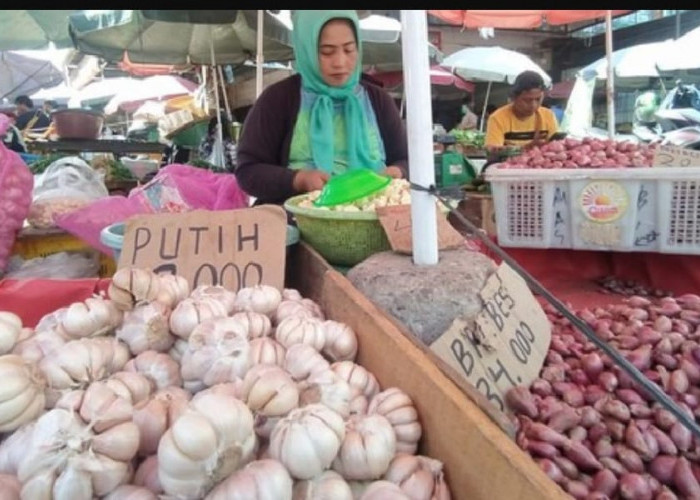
[
  {"x": 113, "y": 237},
  {"x": 29, "y": 158}
]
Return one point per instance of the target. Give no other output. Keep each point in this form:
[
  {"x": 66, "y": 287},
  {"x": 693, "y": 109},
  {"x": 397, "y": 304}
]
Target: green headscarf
[{"x": 305, "y": 36}]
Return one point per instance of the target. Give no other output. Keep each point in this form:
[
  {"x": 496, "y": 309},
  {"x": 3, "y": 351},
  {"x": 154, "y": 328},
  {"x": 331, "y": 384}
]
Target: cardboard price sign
[
  {"x": 502, "y": 346},
  {"x": 233, "y": 248},
  {"x": 674, "y": 156},
  {"x": 396, "y": 221}
]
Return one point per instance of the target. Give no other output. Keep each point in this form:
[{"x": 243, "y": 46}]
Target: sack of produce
[
  {"x": 16, "y": 183},
  {"x": 68, "y": 183}
]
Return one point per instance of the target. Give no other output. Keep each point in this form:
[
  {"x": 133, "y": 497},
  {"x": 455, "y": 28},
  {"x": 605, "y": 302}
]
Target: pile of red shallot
[
  {"x": 596, "y": 432},
  {"x": 585, "y": 153}
]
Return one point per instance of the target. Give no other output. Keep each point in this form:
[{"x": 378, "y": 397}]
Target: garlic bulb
[
  {"x": 328, "y": 388},
  {"x": 301, "y": 331},
  {"x": 131, "y": 492},
  {"x": 163, "y": 370},
  {"x": 341, "y": 341},
  {"x": 173, "y": 290},
  {"x": 383, "y": 490},
  {"x": 216, "y": 292},
  {"x": 218, "y": 352},
  {"x": 77, "y": 363},
  {"x": 421, "y": 478},
  {"x": 147, "y": 475},
  {"x": 263, "y": 299},
  {"x": 66, "y": 457},
  {"x": 211, "y": 439},
  {"x": 9, "y": 487},
  {"x": 131, "y": 286},
  {"x": 178, "y": 349},
  {"x": 313, "y": 307},
  {"x": 267, "y": 351},
  {"x": 191, "y": 312},
  {"x": 21, "y": 392},
  {"x": 256, "y": 324},
  {"x": 328, "y": 486},
  {"x": 10, "y": 330},
  {"x": 13, "y": 448},
  {"x": 301, "y": 360},
  {"x": 398, "y": 408},
  {"x": 260, "y": 480},
  {"x": 307, "y": 440},
  {"x": 93, "y": 317},
  {"x": 269, "y": 391},
  {"x": 146, "y": 328},
  {"x": 155, "y": 415},
  {"x": 290, "y": 309},
  {"x": 367, "y": 449},
  {"x": 39, "y": 345},
  {"x": 359, "y": 377},
  {"x": 291, "y": 294}
]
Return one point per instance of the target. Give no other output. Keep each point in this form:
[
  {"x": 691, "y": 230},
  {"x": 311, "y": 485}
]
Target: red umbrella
[
  {"x": 518, "y": 19},
  {"x": 438, "y": 76}
]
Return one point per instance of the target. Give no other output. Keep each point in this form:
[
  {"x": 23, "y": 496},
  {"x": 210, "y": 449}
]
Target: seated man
[{"x": 524, "y": 121}]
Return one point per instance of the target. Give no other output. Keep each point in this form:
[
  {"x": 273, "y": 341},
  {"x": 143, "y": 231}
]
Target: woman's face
[{"x": 337, "y": 52}]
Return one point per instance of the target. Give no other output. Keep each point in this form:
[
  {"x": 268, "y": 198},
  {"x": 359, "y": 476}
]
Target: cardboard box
[
  {"x": 481, "y": 461},
  {"x": 478, "y": 209}
]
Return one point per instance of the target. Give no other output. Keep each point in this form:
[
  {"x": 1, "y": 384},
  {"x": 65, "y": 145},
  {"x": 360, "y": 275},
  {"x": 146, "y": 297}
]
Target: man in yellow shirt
[{"x": 523, "y": 121}]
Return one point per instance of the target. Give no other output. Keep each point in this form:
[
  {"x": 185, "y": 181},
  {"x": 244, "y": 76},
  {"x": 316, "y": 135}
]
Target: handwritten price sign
[
  {"x": 674, "y": 156},
  {"x": 505, "y": 344}
]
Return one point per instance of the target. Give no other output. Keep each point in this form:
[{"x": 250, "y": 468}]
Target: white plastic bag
[
  {"x": 61, "y": 265},
  {"x": 67, "y": 184}
]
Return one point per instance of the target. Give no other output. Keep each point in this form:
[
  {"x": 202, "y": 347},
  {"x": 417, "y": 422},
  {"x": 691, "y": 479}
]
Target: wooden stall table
[{"x": 96, "y": 146}]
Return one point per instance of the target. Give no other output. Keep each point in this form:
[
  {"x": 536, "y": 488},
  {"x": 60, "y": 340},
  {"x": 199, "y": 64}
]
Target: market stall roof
[
  {"x": 21, "y": 74},
  {"x": 518, "y": 19},
  {"x": 166, "y": 37},
  {"x": 438, "y": 76},
  {"x": 34, "y": 29}
]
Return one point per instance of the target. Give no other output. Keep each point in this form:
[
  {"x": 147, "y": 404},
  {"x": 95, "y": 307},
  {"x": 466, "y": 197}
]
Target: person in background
[
  {"x": 29, "y": 118},
  {"x": 13, "y": 139},
  {"x": 469, "y": 119},
  {"x": 523, "y": 122},
  {"x": 206, "y": 147},
  {"x": 322, "y": 121}
]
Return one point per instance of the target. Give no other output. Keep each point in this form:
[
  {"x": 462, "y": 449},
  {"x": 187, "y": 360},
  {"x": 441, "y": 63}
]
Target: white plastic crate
[{"x": 625, "y": 209}]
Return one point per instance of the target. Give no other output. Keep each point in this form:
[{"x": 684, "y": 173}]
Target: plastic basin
[{"x": 78, "y": 123}]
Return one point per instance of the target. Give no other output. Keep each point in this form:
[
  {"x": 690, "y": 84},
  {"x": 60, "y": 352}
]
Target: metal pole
[
  {"x": 610, "y": 84},
  {"x": 419, "y": 119},
  {"x": 483, "y": 109},
  {"x": 678, "y": 24},
  {"x": 259, "y": 59}
]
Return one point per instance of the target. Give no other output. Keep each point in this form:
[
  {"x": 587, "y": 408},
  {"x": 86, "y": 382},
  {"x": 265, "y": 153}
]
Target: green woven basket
[{"x": 342, "y": 238}]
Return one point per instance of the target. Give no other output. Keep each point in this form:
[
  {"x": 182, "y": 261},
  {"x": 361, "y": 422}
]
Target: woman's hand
[
  {"x": 393, "y": 171},
  {"x": 309, "y": 180}
]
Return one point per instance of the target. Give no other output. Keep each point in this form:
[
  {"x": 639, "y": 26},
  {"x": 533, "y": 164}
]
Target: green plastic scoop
[{"x": 351, "y": 186}]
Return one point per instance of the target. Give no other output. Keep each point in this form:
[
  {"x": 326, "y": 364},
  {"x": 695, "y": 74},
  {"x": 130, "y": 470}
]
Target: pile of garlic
[
  {"x": 398, "y": 192},
  {"x": 160, "y": 391}
]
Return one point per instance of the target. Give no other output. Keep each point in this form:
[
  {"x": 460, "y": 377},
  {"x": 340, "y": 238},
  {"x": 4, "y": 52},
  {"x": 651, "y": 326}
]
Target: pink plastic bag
[
  {"x": 176, "y": 188},
  {"x": 16, "y": 185}
]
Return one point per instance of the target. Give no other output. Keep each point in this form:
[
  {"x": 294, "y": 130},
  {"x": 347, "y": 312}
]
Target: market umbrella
[
  {"x": 61, "y": 93},
  {"x": 635, "y": 61},
  {"x": 101, "y": 91},
  {"x": 518, "y": 19},
  {"x": 178, "y": 37},
  {"x": 491, "y": 64},
  {"x": 154, "y": 88},
  {"x": 682, "y": 53},
  {"x": 34, "y": 29},
  {"x": 438, "y": 76},
  {"x": 20, "y": 74}
]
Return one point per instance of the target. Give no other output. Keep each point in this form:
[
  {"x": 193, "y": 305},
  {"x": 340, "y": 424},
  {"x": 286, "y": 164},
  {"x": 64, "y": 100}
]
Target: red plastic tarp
[{"x": 518, "y": 19}]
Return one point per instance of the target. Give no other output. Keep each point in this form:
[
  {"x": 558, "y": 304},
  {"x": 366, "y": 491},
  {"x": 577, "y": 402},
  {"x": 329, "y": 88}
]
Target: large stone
[{"x": 425, "y": 298}]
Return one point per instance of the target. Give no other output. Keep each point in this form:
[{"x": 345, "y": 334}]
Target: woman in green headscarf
[{"x": 322, "y": 121}]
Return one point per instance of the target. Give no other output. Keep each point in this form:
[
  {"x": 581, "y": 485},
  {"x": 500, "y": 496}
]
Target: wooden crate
[{"x": 481, "y": 461}]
